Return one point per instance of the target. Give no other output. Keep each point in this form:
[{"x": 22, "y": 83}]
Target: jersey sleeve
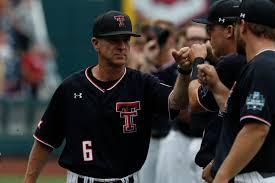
[
  {"x": 258, "y": 103},
  {"x": 158, "y": 95},
  {"x": 50, "y": 130},
  {"x": 206, "y": 99},
  {"x": 204, "y": 96}
]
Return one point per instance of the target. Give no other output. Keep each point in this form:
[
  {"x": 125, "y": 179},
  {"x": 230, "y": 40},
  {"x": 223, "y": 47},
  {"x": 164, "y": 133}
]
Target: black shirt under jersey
[
  {"x": 107, "y": 131},
  {"x": 252, "y": 99},
  {"x": 228, "y": 69}
]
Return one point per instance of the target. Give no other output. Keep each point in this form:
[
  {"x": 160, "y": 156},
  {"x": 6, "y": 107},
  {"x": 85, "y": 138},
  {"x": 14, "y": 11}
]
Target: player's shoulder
[
  {"x": 263, "y": 64},
  {"x": 73, "y": 79},
  {"x": 265, "y": 57},
  {"x": 232, "y": 59}
]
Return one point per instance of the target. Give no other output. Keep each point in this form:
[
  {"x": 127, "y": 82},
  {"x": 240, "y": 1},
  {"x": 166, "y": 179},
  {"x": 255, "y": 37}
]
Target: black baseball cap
[
  {"x": 113, "y": 23},
  {"x": 258, "y": 11},
  {"x": 222, "y": 12}
]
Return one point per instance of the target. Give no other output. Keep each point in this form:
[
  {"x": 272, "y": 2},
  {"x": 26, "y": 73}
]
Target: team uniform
[
  {"x": 106, "y": 129},
  {"x": 228, "y": 69},
  {"x": 251, "y": 99}
]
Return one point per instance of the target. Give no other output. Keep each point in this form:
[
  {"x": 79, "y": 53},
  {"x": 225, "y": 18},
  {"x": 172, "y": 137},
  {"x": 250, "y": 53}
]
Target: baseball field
[{"x": 12, "y": 171}]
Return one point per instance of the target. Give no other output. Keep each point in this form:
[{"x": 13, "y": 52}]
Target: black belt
[{"x": 81, "y": 180}]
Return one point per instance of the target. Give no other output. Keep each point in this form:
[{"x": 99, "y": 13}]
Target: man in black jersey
[
  {"x": 104, "y": 112},
  {"x": 220, "y": 25},
  {"x": 246, "y": 146}
]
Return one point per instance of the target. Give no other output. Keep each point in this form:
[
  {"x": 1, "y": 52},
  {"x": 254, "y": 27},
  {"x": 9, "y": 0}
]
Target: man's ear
[
  {"x": 243, "y": 27},
  {"x": 229, "y": 31},
  {"x": 95, "y": 43}
]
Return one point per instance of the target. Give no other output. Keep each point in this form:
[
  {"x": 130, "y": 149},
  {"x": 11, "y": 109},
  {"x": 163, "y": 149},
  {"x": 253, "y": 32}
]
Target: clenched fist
[{"x": 182, "y": 58}]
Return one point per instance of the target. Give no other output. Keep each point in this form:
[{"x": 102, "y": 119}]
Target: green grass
[{"x": 42, "y": 179}]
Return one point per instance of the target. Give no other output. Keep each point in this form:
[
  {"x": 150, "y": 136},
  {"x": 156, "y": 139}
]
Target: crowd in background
[
  {"x": 27, "y": 60},
  {"x": 173, "y": 144}
]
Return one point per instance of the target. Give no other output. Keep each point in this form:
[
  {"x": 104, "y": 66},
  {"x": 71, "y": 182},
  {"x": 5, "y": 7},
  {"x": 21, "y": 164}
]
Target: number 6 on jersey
[{"x": 87, "y": 150}]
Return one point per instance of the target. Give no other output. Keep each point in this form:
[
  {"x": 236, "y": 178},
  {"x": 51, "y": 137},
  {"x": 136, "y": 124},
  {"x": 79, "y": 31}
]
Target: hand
[
  {"x": 198, "y": 50},
  {"x": 206, "y": 173},
  {"x": 182, "y": 58},
  {"x": 208, "y": 76}
]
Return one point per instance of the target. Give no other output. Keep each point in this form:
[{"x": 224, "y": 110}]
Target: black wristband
[
  {"x": 197, "y": 61},
  {"x": 183, "y": 72}
]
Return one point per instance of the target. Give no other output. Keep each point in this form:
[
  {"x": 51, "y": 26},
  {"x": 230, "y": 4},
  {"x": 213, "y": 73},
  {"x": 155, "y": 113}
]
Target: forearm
[
  {"x": 221, "y": 93},
  {"x": 247, "y": 144},
  {"x": 179, "y": 96},
  {"x": 37, "y": 160},
  {"x": 192, "y": 96}
]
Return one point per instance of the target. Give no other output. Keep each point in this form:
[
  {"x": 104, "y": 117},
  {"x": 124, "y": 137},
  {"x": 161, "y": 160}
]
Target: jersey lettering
[
  {"x": 87, "y": 150},
  {"x": 128, "y": 110}
]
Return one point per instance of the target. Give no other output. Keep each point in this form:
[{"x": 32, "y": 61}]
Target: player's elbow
[
  {"x": 194, "y": 104},
  {"x": 192, "y": 96}
]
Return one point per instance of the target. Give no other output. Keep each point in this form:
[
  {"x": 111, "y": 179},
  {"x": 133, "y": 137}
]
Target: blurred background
[{"x": 44, "y": 41}]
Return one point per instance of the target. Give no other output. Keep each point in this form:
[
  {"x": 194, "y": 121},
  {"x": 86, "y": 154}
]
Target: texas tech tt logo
[
  {"x": 128, "y": 110},
  {"x": 120, "y": 19}
]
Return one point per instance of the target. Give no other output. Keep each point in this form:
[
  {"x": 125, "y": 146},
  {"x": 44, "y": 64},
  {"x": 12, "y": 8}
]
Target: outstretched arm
[
  {"x": 37, "y": 160},
  {"x": 179, "y": 96},
  {"x": 198, "y": 53}
]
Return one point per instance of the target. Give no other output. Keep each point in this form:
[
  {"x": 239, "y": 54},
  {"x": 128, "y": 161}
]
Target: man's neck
[
  {"x": 108, "y": 73},
  {"x": 256, "y": 45}
]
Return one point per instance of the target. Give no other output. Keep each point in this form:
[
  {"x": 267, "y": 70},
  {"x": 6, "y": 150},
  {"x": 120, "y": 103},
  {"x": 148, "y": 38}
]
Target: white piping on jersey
[
  {"x": 101, "y": 89},
  {"x": 45, "y": 143},
  {"x": 165, "y": 85},
  {"x": 198, "y": 99},
  {"x": 255, "y": 117},
  {"x": 268, "y": 49}
]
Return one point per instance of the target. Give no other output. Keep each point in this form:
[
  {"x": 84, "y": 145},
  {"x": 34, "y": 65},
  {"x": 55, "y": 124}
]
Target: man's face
[
  {"x": 217, "y": 40},
  {"x": 114, "y": 50},
  {"x": 240, "y": 44},
  {"x": 195, "y": 35}
]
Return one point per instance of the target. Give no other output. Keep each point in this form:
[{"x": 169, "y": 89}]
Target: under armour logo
[
  {"x": 222, "y": 20},
  {"x": 77, "y": 95},
  {"x": 242, "y": 15},
  {"x": 120, "y": 19}
]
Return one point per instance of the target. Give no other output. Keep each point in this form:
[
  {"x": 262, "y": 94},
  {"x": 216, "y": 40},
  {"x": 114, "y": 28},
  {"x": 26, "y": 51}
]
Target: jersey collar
[{"x": 99, "y": 88}]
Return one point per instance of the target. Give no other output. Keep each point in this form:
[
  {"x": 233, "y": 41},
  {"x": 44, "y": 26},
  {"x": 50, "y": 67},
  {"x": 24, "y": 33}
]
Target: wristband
[{"x": 197, "y": 61}]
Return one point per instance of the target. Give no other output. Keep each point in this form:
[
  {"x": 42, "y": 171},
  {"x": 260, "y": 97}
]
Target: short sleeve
[
  {"x": 158, "y": 94},
  {"x": 206, "y": 99},
  {"x": 50, "y": 130},
  {"x": 258, "y": 101}
]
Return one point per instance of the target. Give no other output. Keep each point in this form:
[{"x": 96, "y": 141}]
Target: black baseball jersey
[
  {"x": 160, "y": 122},
  {"x": 228, "y": 69},
  {"x": 107, "y": 131},
  {"x": 252, "y": 98}
]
